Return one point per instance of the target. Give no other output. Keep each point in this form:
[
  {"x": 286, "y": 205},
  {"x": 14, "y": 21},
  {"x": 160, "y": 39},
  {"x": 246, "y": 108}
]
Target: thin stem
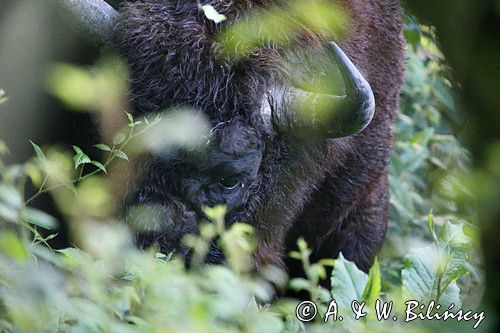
[
  {"x": 112, "y": 155},
  {"x": 81, "y": 171},
  {"x": 43, "y": 182}
]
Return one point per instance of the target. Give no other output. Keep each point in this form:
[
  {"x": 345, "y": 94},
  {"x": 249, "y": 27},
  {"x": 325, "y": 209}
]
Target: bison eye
[{"x": 229, "y": 183}]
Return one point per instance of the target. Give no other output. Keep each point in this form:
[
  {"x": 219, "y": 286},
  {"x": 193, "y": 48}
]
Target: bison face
[
  {"x": 175, "y": 187},
  {"x": 168, "y": 201}
]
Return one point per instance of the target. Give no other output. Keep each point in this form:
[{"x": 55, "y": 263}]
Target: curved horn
[
  {"x": 329, "y": 116},
  {"x": 95, "y": 17}
]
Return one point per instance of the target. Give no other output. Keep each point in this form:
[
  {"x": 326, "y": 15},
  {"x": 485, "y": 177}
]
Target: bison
[{"x": 287, "y": 161}]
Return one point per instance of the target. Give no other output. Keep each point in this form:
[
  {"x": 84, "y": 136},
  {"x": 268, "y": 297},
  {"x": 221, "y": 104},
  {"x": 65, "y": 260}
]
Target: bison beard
[{"x": 331, "y": 191}]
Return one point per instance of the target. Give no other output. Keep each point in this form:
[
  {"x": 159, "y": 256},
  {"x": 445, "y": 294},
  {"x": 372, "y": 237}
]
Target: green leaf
[
  {"x": 12, "y": 246},
  {"x": 159, "y": 255},
  {"x": 432, "y": 229},
  {"x": 420, "y": 277},
  {"x": 8, "y": 213},
  {"x": 119, "y": 138},
  {"x": 77, "y": 149},
  {"x": 412, "y": 37},
  {"x": 76, "y": 257},
  {"x": 80, "y": 157},
  {"x": 102, "y": 146},
  {"x": 348, "y": 282},
  {"x": 10, "y": 196},
  {"x": 3, "y": 98},
  {"x": 299, "y": 284},
  {"x": 39, "y": 218},
  {"x": 317, "y": 271},
  {"x": 3, "y": 148},
  {"x": 212, "y": 14},
  {"x": 121, "y": 155},
  {"x": 130, "y": 117},
  {"x": 295, "y": 255},
  {"x": 373, "y": 286},
  {"x": 46, "y": 254},
  {"x": 70, "y": 186},
  {"x": 39, "y": 152},
  {"x": 327, "y": 262},
  {"x": 100, "y": 166},
  {"x": 453, "y": 235}
]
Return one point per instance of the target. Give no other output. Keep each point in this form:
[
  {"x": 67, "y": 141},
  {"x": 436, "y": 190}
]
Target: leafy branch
[{"x": 80, "y": 159}]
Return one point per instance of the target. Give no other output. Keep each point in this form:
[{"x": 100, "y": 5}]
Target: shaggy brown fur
[{"x": 332, "y": 192}]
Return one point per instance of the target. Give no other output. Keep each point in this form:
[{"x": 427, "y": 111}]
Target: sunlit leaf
[
  {"x": 212, "y": 14},
  {"x": 12, "y": 246},
  {"x": 348, "y": 282},
  {"x": 421, "y": 278}
]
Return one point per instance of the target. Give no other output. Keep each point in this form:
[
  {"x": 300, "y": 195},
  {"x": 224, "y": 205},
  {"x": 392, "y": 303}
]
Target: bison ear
[
  {"x": 324, "y": 115},
  {"x": 94, "y": 17}
]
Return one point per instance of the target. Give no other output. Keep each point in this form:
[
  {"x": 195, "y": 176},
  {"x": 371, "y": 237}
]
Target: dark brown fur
[{"x": 333, "y": 192}]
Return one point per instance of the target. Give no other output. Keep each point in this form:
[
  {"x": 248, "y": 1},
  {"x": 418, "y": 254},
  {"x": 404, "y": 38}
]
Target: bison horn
[
  {"x": 95, "y": 17},
  {"x": 329, "y": 116}
]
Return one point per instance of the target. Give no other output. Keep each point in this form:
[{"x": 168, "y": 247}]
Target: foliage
[{"x": 104, "y": 284}]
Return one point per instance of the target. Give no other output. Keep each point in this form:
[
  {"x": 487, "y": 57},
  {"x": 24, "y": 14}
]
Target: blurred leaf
[
  {"x": 39, "y": 218},
  {"x": 412, "y": 37},
  {"x": 75, "y": 257},
  {"x": 283, "y": 26},
  {"x": 34, "y": 173},
  {"x": 3, "y": 97},
  {"x": 216, "y": 213},
  {"x": 299, "y": 284},
  {"x": 130, "y": 117},
  {"x": 444, "y": 95},
  {"x": 12, "y": 246},
  {"x": 8, "y": 213},
  {"x": 3, "y": 148},
  {"x": 100, "y": 88},
  {"x": 119, "y": 138},
  {"x": 10, "y": 196},
  {"x": 432, "y": 229},
  {"x": 453, "y": 235}
]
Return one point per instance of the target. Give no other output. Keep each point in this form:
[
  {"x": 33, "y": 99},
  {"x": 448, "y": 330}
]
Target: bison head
[{"x": 176, "y": 185}]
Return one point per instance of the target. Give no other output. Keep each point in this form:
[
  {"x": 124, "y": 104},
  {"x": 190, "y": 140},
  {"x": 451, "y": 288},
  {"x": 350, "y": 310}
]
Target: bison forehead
[
  {"x": 171, "y": 50},
  {"x": 238, "y": 139}
]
